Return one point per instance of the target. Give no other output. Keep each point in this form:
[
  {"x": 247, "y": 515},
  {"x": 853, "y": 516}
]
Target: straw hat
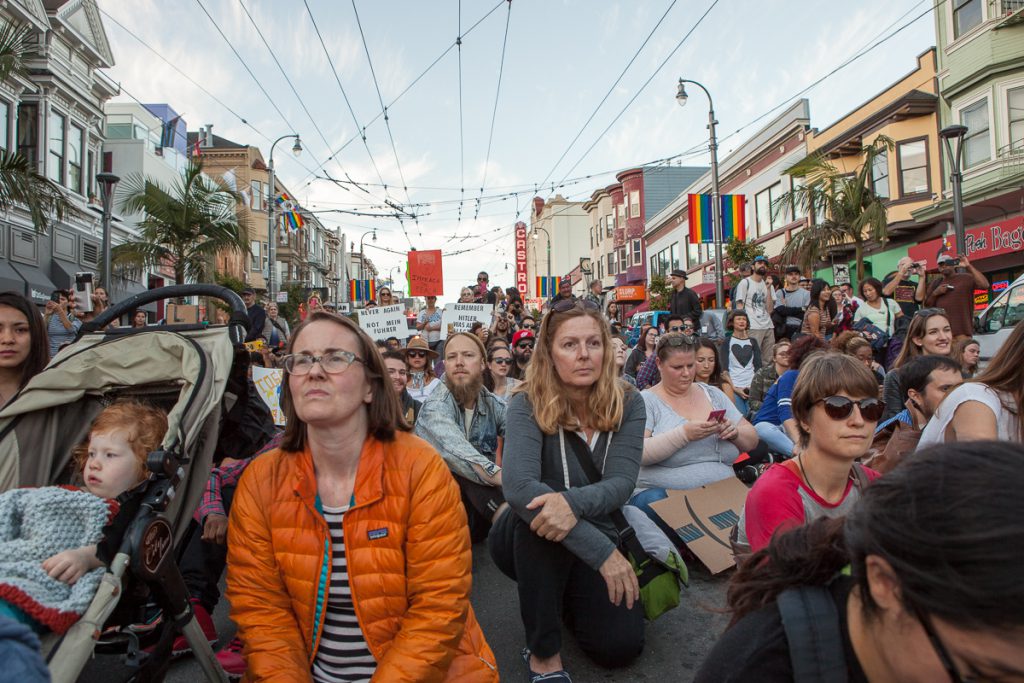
[{"x": 420, "y": 344}]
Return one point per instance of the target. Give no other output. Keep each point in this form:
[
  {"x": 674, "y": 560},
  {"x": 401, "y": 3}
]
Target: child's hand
[
  {"x": 70, "y": 565},
  {"x": 215, "y": 529}
]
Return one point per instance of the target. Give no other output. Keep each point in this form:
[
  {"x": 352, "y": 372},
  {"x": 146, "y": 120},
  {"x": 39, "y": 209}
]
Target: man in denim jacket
[{"x": 466, "y": 424}]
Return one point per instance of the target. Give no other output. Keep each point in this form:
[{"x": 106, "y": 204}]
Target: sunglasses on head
[
  {"x": 416, "y": 353},
  {"x": 676, "y": 339},
  {"x": 841, "y": 407},
  {"x": 929, "y": 312},
  {"x": 569, "y": 304}
]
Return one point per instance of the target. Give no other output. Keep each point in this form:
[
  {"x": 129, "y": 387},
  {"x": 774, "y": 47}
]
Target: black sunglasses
[
  {"x": 416, "y": 353},
  {"x": 564, "y": 305},
  {"x": 524, "y": 345},
  {"x": 929, "y": 312},
  {"x": 840, "y": 408},
  {"x": 503, "y": 361},
  {"x": 676, "y": 339}
]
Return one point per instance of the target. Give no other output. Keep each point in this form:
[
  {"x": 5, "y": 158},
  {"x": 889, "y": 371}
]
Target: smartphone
[
  {"x": 83, "y": 287},
  {"x": 716, "y": 416}
]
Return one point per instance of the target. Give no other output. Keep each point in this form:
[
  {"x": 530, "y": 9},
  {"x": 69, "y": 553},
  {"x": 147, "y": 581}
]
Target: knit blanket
[{"x": 36, "y": 524}]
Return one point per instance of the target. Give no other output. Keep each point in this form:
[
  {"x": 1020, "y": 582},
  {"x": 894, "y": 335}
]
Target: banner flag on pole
[
  {"x": 547, "y": 286},
  {"x": 734, "y": 217},
  {"x": 362, "y": 290},
  {"x": 290, "y": 212},
  {"x": 701, "y": 219}
]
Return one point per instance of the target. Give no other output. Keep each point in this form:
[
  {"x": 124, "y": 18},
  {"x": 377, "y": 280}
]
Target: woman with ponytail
[{"x": 919, "y": 583}]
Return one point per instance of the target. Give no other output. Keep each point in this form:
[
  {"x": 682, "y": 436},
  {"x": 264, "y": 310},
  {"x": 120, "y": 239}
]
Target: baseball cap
[
  {"x": 248, "y": 290},
  {"x": 678, "y": 273},
  {"x": 946, "y": 258},
  {"x": 763, "y": 259},
  {"x": 792, "y": 269},
  {"x": 521, "y": 335}
]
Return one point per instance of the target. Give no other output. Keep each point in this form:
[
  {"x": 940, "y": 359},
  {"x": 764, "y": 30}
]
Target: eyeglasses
[
  {"x": 529, "y": 327},
  {"x": 333, "y": 363},
  {"x": 676, "y": 339},
  {"x": 524, "y": 345},
  {"x": 416, "y": 353},
  {"x": 503, "y": 361},
  {"x": 941, "y": 651},
  {"x": 568, "y": 304},
  {"x": 840, "y": 408},
  {"x": 929, "y": 312}
]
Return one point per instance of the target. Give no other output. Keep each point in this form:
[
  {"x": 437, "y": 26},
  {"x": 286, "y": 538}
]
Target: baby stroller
[{"x": 191, "y": 371}]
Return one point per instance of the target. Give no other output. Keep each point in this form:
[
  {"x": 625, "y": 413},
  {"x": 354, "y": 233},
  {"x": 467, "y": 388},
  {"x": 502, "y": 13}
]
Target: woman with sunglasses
[
  {"x": 929, "y": 334},
  {"x": 693, "y": 433},
  {"x": 467, "y": 295},
  {"x": 835, "y": 407},
  {"x": 775, "y": 424},
  {"x": 348, "y": 554},
  {"x": 384, "y": 297},
  {"x": 496, "y": 379},
  {"x": 988, "y": 406},
  {"x": 422, "y": 380},
  {"x": 920, "y": 583},
  {"x": 557, "y": 540}
]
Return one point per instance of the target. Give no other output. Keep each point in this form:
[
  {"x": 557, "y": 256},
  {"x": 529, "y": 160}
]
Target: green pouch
[{"x": 660, "y": 582}]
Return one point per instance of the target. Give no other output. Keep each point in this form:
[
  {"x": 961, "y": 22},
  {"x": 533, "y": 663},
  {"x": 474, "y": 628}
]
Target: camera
[{"x": 83, "y": 287}]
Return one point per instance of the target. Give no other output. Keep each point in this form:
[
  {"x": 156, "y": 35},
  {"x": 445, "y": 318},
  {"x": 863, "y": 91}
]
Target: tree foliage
[
  {"x": 20, "y": 183},
  {"x": 659, "y": 293},
  {"x": 186, "y": 224},
  {"x": 738, "y": 252},
  {"x": 843, "y": 208}
]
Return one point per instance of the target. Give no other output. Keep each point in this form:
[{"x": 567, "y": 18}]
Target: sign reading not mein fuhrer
[
  {"x": 382, "y": 322},
  {"x": 460, "y": 317}
]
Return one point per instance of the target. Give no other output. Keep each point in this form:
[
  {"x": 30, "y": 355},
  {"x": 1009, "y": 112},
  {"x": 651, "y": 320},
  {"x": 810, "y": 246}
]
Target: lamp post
[
  {"x": 536, "y": 236},
  {"x": 362, "y": 255},
  {"x": 107, "y": 182},
  {"x": 271, "y": 196},
  {"x": 949, "y": 135},
  {"x": 716, "y": 208},
  {"x": 391, "y": 278}
]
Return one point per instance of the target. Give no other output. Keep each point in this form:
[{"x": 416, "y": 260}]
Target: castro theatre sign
[{"x": 521, "y": 259}]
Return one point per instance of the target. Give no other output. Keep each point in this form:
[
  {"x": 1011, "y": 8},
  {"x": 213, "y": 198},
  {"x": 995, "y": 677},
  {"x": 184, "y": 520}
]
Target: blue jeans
[
  {"x": 741, "y": 404},
  {"x": 775, "y": 437},
  {"x": 644, "y": 499}
]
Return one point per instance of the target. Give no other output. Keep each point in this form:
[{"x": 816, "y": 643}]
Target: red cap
[{"x": 520, "y": 335}]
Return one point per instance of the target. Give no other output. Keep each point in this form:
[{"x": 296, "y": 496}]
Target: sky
[{"x": 462, "y": 151}]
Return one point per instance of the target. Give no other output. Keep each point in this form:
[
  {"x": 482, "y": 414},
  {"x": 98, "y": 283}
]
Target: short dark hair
[
  {"x": 915, "y": 374},
  {"x": 392, "y": 354},
  {"x": 676, "y": 316},
  {"x": 873, "y": 281},
  {"x": 739, "y": 313}
]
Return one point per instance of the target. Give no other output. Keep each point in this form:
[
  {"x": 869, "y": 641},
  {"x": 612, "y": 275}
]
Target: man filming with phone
[
  {"x": 899, "y": 286},
  {"x": 954, "y": 292}
]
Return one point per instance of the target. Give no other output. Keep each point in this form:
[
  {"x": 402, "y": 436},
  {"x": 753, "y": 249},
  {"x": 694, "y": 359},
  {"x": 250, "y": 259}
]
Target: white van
[{"x": 995, "y": 323}]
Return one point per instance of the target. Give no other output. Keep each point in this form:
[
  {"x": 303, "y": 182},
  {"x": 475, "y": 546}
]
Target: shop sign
[
  {"x": 986, "y": 241},
  {"x": 980, "y": 299},
  {"x": 1000, "y": 285},
  {"x": 630, "y": 293},
  {"x": 521, "y": 284}
]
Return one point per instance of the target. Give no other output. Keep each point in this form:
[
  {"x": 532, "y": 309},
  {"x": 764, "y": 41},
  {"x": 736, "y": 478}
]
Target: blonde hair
[{"x": 551, "y": 405}]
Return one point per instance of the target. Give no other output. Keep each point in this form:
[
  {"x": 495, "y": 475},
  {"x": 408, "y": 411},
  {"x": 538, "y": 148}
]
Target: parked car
[
  {"x": 995, "y": 323},
  {"x": 638, "y": 320}
]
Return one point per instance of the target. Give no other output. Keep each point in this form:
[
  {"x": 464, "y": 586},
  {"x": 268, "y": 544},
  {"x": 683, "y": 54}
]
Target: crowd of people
[{"x": 881, "y": 447}]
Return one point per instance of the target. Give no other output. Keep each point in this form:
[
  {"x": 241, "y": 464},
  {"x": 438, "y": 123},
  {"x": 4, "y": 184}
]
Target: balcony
[
  {"x": 1010, "y": 11},
  {"x": 1011, "y": 157}
]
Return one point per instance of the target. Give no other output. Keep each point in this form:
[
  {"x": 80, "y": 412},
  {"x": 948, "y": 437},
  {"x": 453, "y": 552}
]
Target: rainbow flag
[
  {"x": 362, "y": 290},
  {"x": 702, "y": 220},
  {"x": 734, "y": 217},
  {"x": 547, "y": 286},
  {"x": 289, "y": 209}
]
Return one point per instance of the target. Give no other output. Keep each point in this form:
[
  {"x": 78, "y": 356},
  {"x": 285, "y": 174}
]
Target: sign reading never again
[
  {"x": 382, "y": 322},
  {"x": 460, "y": 317}
]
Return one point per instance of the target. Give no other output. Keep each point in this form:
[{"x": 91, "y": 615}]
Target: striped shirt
[{"x": 343, "y": 654}]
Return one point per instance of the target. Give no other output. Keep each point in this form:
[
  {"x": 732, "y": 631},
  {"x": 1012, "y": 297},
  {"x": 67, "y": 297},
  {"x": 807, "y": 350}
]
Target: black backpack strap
[
  {"x": 626, "y": 533},
  {"x": 811, "y": 621}
]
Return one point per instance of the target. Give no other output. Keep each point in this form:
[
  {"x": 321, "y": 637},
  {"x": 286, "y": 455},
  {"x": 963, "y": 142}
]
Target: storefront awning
[
  {"x": 63, "y": 273},
  {"x": 704, "y": 289},
  {"x": 38, "y": 287},
  {"x": 10, "y": 281}
]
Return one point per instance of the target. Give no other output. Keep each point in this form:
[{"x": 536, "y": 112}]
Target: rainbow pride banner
[
  {"x": 547, "y": 286},
  {"x": 290, "y": 215},
  {"x": 362, "y": 290},
  {"x": 701, "y": 218}
]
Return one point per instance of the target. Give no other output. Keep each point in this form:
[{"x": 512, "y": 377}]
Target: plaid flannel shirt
[
  {"x": 647, "y": 375},
  {"x": 212, "y": 502}
]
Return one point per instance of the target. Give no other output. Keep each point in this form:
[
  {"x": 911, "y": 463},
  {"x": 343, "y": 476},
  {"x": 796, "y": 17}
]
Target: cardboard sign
[
  {"x": 181, "y": 314},
  {"x": 382, "y": 322},
  {"x": 268, "y": 384},
  {"x": 425, "y": 277},
  {"x": 704, "y": 518},
  {"x": 460, "y": 317}
]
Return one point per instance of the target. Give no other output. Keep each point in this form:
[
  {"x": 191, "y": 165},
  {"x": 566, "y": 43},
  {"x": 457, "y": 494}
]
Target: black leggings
[
  {"x": 555, "y": 584},
  {"x": 204, "y": 562},
  {"x": 481, "y": 502}
]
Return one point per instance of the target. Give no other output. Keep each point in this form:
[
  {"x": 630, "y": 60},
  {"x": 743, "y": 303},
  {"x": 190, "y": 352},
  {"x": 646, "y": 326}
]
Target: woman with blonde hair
[{"x": 557, "y": 540}]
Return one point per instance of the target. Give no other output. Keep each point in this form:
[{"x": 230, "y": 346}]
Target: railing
[
  {"x": 1011, "y": 157},
  {"x": 1009, "y": 6}
]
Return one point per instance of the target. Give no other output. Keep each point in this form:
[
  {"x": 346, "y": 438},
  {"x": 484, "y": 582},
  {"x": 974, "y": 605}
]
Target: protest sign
[
  {"x": 268, "y": 384},
  {"x": 460, "y": 317},
  {"x": 704, "y": 518},
  {"x": 425, "y": 277},
  {"x": 382, "y": 322}
]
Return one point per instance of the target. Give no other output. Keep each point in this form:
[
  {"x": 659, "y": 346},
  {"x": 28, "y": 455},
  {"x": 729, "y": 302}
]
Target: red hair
[{"x": 144, "y": 427}]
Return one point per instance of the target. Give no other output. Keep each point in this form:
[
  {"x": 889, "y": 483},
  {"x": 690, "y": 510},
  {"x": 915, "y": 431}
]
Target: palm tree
[
  {"x": 843, "y": 208},
  {"x": 185, "y": 225},
  {"x": 20, "y": 183}
]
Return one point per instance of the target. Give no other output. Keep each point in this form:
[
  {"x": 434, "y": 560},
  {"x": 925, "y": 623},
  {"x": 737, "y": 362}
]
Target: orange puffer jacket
[{"x": 409, "y": 560}]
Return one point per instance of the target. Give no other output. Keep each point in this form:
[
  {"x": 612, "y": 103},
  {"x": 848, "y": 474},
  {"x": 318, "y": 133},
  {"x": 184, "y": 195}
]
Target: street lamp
[
  {"x": 391, "y": 278},
  {"x": 949, "y": 135},
  {"x": 271, "y": 196},
  {"x": 107, "y": 182},
  {"x": 716, "y": 209},
  {"x": 362, "y": 256},
  {"x": 536, "y": 236}
]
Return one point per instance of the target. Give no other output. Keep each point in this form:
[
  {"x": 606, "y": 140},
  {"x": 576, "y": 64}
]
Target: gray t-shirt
[
  {"x": 754, "y": 296},
  {"x": 799, "y": 298},
  {"x": 696, "y": 464}
]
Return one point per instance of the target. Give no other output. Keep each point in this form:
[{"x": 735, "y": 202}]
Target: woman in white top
[
  {"x": 428, "y": 322},
  {"x": 422, "y": 380},
  {"x": 683, "y": 448},
  {"x": 496, "y": 379},
  {"x": 987, "y": 407},
  {"x": 880, "y": 312}
]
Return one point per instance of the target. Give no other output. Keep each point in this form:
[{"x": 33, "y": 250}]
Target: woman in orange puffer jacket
[{"x": 348, "y": 554}]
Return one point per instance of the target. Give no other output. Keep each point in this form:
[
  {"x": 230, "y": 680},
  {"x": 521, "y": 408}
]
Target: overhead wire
[
  {"x": 494, "y": 112},
  {"x": 462, "y": 139}
]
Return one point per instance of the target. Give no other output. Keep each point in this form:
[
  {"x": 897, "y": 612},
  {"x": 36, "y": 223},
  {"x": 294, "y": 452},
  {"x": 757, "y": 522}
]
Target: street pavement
[{"x": 676, "y": 643}]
